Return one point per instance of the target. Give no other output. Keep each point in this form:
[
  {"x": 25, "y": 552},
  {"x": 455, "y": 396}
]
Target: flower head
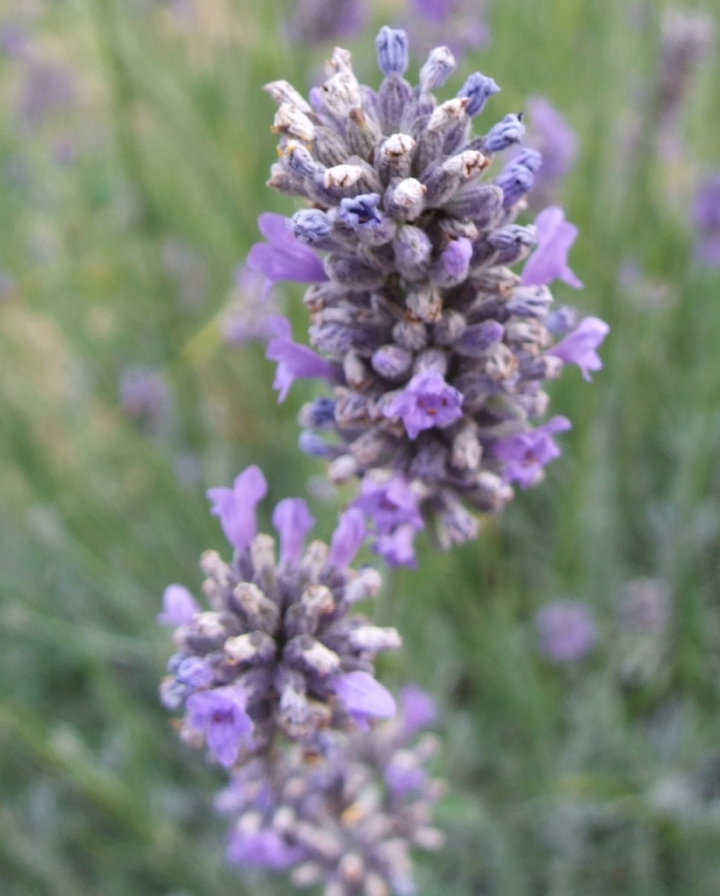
[
  {"x": 278, "y": 650},
  {"x": 437, "y": 350}
]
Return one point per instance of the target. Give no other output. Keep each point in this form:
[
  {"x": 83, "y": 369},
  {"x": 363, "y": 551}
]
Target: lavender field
[{"x": 443, "y": 317}]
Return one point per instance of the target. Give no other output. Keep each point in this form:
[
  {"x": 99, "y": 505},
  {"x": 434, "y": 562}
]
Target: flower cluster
[
  {"x": 348, "y": 819},
  {"x": 436, "y": 349},
  {"x": 278, "y": 650}
]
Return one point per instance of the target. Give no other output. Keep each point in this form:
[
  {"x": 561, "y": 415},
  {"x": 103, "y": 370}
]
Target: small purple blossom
[
  {"x": 567, "y": 631},
  {"x": 555, "y": 236},
  {"x": 295, "y": 361},
  {"x": 426, "y": 401},
  {"x": 525, "y": 455},
  {"x": 220, "y": 715},
  {"x": 179, "y": 606},
  {"x": 283, "y": 257},
  {"x": 389, "y": 503},
  {"x": 236, "y": 506},
  {"x": 392, "y": 506},
  {"x": 364, "y": 697},
  {"x": 579, "y": 347},
  {"x": 293, "y": 521}
]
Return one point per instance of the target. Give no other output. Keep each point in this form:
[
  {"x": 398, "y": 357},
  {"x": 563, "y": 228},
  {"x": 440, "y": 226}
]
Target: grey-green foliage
[{"x": 562, "y": 781}]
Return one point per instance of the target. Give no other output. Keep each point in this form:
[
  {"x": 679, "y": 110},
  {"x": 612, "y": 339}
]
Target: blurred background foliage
[{"x": 134, "y": 147}]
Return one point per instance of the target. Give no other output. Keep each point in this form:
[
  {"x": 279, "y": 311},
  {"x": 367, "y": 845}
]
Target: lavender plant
[
  {"x": 437, "y": 353},
  {"x": 436, "y": 350}
]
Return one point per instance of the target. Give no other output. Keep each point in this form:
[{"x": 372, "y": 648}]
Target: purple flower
[
  {"x": 567, "y": 631},
  {"x": 315, "y": 21},
  {"x": 364, "y": 697},
  {"x": 396, "y": 547},
  {"x": 426, "y": 401},
  {"x": 555, "y": 236},
  {"x": 220, "y": 715},
  {"x": 553, "y": 137},
  {"x": 293, "y": 521},
  {"x": 393, "y": 508},
  {"x": 236, "y": 506},
  {"x": 179, "y": 606},
  {"x": 389, "y": 503},
  {"x": 525, "y": 454},
  {"x": 417, "y": 709},
  {"x": 263, "y": 849},
  {"x": 283, "y": 257},
  {"x": 706, "y": 220},
  {"x": 579, "y": 346},
  {"x": 294, "y": 360},
  {"x": 347, "y": 538}
]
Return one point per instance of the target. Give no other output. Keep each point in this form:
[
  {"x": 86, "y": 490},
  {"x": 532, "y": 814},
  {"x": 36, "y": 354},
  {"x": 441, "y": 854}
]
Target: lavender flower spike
[
  {"x": 439, "y": 349},
  {"x": 579, "y": 346},
  {"x": 392, "y": 507},
  {"x": 294, "y": 360},
  {"x": 279, "y": 651},
  {"x": 236, "y": 506},
  {"x": 549, "y": 261},
  {"x": 525, "y": 454},
  {"x": 426, "y": 402},
  {"x": 283, "y": 257}
]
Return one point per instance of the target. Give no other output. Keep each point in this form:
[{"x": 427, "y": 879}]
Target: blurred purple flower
[
  {"x": 427, "y": 401},
  {"x": 236, "y": 507},
  {"x": 579, "y": 347},
  {"x": 364, "y": 697},
  {"x": 460, "y": 24},
  {"x": 246, "y": 318},
  {"x": 417, "y": 709},
  {"x": 46, "y": 88},
  {"x": 706, "y": 219},
  {"x": 526, "y": 454},
  {"x": 220, "y": 715},
  {"x": 145, "y": 397},
  {"x": 14, "y": 41},
  {"x": 548, "y": 262},
  {"x": 551, "y": 135},
  {"x": 283, "y": 257},
  {"x": 567, "y": 631},
  {"x": 315, "y": 21},
  {"x": 295, "y": 361}
]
